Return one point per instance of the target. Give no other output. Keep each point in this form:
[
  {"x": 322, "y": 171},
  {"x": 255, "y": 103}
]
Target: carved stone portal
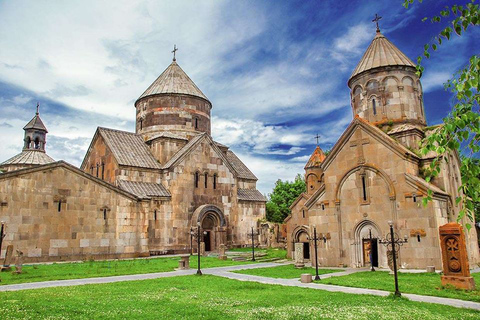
[{"x": 456, "y": 270}]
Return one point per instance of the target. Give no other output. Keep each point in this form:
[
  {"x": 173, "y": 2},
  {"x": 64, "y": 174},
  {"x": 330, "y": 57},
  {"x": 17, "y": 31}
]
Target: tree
[
  {"x": 460, "y": 130},
  {"x": 282, "y": 197}
]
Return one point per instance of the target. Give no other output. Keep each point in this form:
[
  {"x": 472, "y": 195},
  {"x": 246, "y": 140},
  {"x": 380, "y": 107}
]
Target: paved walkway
[{"x": 226, "y": 272}]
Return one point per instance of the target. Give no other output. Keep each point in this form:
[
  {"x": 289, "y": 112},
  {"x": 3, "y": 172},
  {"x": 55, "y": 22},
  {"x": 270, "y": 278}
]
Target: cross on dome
[
  {"x": 175, "y": 49},
  {"x": 317, "y": 137},
  {"x": 377, "y": 18}
]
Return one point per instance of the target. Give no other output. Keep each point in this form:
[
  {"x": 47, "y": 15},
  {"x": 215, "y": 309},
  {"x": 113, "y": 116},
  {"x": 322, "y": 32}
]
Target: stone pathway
[{"x": 226, "y": 272}]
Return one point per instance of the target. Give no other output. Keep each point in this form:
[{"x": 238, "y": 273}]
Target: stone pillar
[
  {"x": 221, "y": 252},
  {"x": 8, "y": 258},
  {"x": 456, "y": 270},
  {"x": 299, "y": 262},
  {"x": 202, "y": 249}
]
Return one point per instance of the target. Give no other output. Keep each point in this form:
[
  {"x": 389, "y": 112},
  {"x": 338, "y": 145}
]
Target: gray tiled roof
[
  {"x": 173, "y": 80},
  {"x": 381, "y": 52},
  {"x": 29, "y": 157},
  {"x": 166, "y": 134},
  {"x": 250, "y": 195},
  {"x": 144, "y": 189},
  {"x": 129, "y": 149},
  {"x": 183, "y": 151},
  {"x": 240, "y": 167},
  {"x": 35, "y": 123}
]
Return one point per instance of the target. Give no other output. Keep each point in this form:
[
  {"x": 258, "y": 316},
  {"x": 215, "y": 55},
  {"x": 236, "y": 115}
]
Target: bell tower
[
  {"x": 35, "y": 134},
  {"x": 384, "y": 85}
]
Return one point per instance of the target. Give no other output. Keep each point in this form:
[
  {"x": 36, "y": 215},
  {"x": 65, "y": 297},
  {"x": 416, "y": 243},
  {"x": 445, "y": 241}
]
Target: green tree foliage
[
  {"x": 460, "y": 130},
  {"x": 282, "y": 197}
]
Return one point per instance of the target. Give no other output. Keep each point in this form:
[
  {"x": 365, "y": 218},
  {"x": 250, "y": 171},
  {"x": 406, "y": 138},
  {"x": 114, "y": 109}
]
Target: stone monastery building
[
  {"x": 135, "y": 194},
  {"x": 373, "y": 175}
]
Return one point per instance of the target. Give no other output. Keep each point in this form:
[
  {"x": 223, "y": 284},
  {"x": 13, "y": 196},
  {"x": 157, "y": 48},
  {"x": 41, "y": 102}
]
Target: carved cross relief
[{"x": 359, "y": 143}]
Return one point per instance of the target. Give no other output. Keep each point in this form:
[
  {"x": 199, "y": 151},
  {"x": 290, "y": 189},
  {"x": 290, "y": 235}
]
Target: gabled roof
[
  {"x": 302, "y": 195},
  {"x": 250, "y": 195},
  {"x": 195, "y": 141},
  {"x": 128, "y": 148},
  {"x": 424, "y": 185},
  {"x": 375, "y": 132},
  {"x": 36, "y": 123},
  {"x": 29, "y": 157},
  {"x": 316, "y": 158},
  {"x": 173, "y": 81},
  {"x": 67, "y": 166},
  {"x": 144, "y": 190},
  {"x": 241, "y": 169},
  {"x": 381, "y": 53}
]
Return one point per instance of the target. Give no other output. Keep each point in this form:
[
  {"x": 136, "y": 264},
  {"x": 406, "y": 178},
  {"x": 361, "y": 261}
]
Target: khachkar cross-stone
[
  {"x": 377, "y": 18},
  {"x": 175, "y": 49}
]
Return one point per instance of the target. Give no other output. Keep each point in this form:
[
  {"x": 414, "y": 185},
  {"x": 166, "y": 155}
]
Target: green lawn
[
  {"x": 285, "y": 272},
  {"x": 419, "y": 283},
  {"x": 209, "y": 297},
  {"x": 91, "y": 269}
]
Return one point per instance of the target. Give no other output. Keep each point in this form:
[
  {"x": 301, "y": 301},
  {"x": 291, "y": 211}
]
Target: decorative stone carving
[
  {"x": 390, "y": 260},
  {"x": 299, "y": 261},
  {"x": 8, "y": 258},
  {"x": 456, "y": 270},
  {"x": 19, "y": 262},
  {"x": 202, "y": 249}
]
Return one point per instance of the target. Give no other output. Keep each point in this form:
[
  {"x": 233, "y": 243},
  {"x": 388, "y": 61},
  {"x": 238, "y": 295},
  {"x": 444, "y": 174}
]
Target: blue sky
[{"x": 275, "y": 71}]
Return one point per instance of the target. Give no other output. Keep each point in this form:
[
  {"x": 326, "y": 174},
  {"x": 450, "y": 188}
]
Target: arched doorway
[
  {"x": 213, "y": 224},
  {"x": 301, "y": 236},
  {"x": 366, "y": 246}
]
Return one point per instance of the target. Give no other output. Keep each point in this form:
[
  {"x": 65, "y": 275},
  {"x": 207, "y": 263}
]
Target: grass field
[
  {"x": 209, "y": 297},
  {"x": 420, "y": 283},
  {"x": 91, "y": 269},
  {"x": 285, "y": 272}
]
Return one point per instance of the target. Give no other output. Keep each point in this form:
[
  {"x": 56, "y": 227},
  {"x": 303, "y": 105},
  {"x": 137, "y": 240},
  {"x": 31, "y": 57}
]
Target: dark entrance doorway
[
  {"x": 306, "y": 251},
  {"x": 207, "y": 241},
  {"x": 370, "y": 251}
]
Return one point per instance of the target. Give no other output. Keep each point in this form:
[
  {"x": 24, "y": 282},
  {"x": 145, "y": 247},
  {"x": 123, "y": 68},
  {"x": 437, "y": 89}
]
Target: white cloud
[
  {"x": 434, "y": 80},
  {"x": 354, "y": 39}
]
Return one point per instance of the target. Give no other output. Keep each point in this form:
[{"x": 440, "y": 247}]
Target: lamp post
[
  {"x": 315, "y": 239},
  {"x": 393, "y": 243},
  {"x": 252, "y": 234},
  {"x": 198, "y": 234},
  {"x": 2, "y": 235}
]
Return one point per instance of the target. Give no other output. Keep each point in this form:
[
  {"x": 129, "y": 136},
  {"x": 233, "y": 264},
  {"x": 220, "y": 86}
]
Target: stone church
[
  {"x": 373, "y": 175},
  {"x": 135, "y": 194}
]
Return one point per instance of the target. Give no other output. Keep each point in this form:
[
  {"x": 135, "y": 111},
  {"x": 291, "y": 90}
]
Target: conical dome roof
[
  {"x": 380, "y": 53},
  {"x": 35, "y": 123},
  {"x": 316, "y": 158},
  {"x": 173, "y": 80}
]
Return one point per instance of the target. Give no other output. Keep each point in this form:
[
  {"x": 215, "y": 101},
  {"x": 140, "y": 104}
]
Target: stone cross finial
[
  {"x": 175, "y": 49},
  {"x": 377, "y": 18},
  {"x": 38, "y": 106},
  {"x": 317, "y": 137}
]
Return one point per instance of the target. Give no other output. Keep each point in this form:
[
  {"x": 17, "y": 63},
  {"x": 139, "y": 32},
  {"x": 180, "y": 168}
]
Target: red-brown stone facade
[{"x": 177, "y": 113}]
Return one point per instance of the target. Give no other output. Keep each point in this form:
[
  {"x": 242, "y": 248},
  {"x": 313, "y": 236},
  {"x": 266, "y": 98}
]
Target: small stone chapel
[
  {"x": 373, "y": 175},
  {"x": 136, "y": 193}
]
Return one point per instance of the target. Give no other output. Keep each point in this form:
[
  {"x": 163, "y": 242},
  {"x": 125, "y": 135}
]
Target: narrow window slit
[{"x": 364, "y": 185}]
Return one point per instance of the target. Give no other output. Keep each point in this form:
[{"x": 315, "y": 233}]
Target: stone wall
[
  {"x": 93, "y": 220},
  {"x": 176, "y": 113},
  {"x": 101, "y": 154}
]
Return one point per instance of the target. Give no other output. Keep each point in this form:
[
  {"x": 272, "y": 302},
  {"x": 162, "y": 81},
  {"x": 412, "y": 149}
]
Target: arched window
[
  {"x": 303, "y": 213},
  {"x": 98, "y": 166},
  {"x": 215, "y": 181},
  {"x": 37, "y": 143},
  {"x": 197, "y": 177},
  {"x": 206, "y": 180},
  {"x": 374, "y": 105},
  {"x": 59, "y": 205},
  {"x": 104, "y": 214},
  {"x": 196, "y": 123},
  {"x": 28, "y": 142},
  {"x": 155, "y": 214},
  {"x": 103, "y": 170},
  {"x": 364, "y": 186}
]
